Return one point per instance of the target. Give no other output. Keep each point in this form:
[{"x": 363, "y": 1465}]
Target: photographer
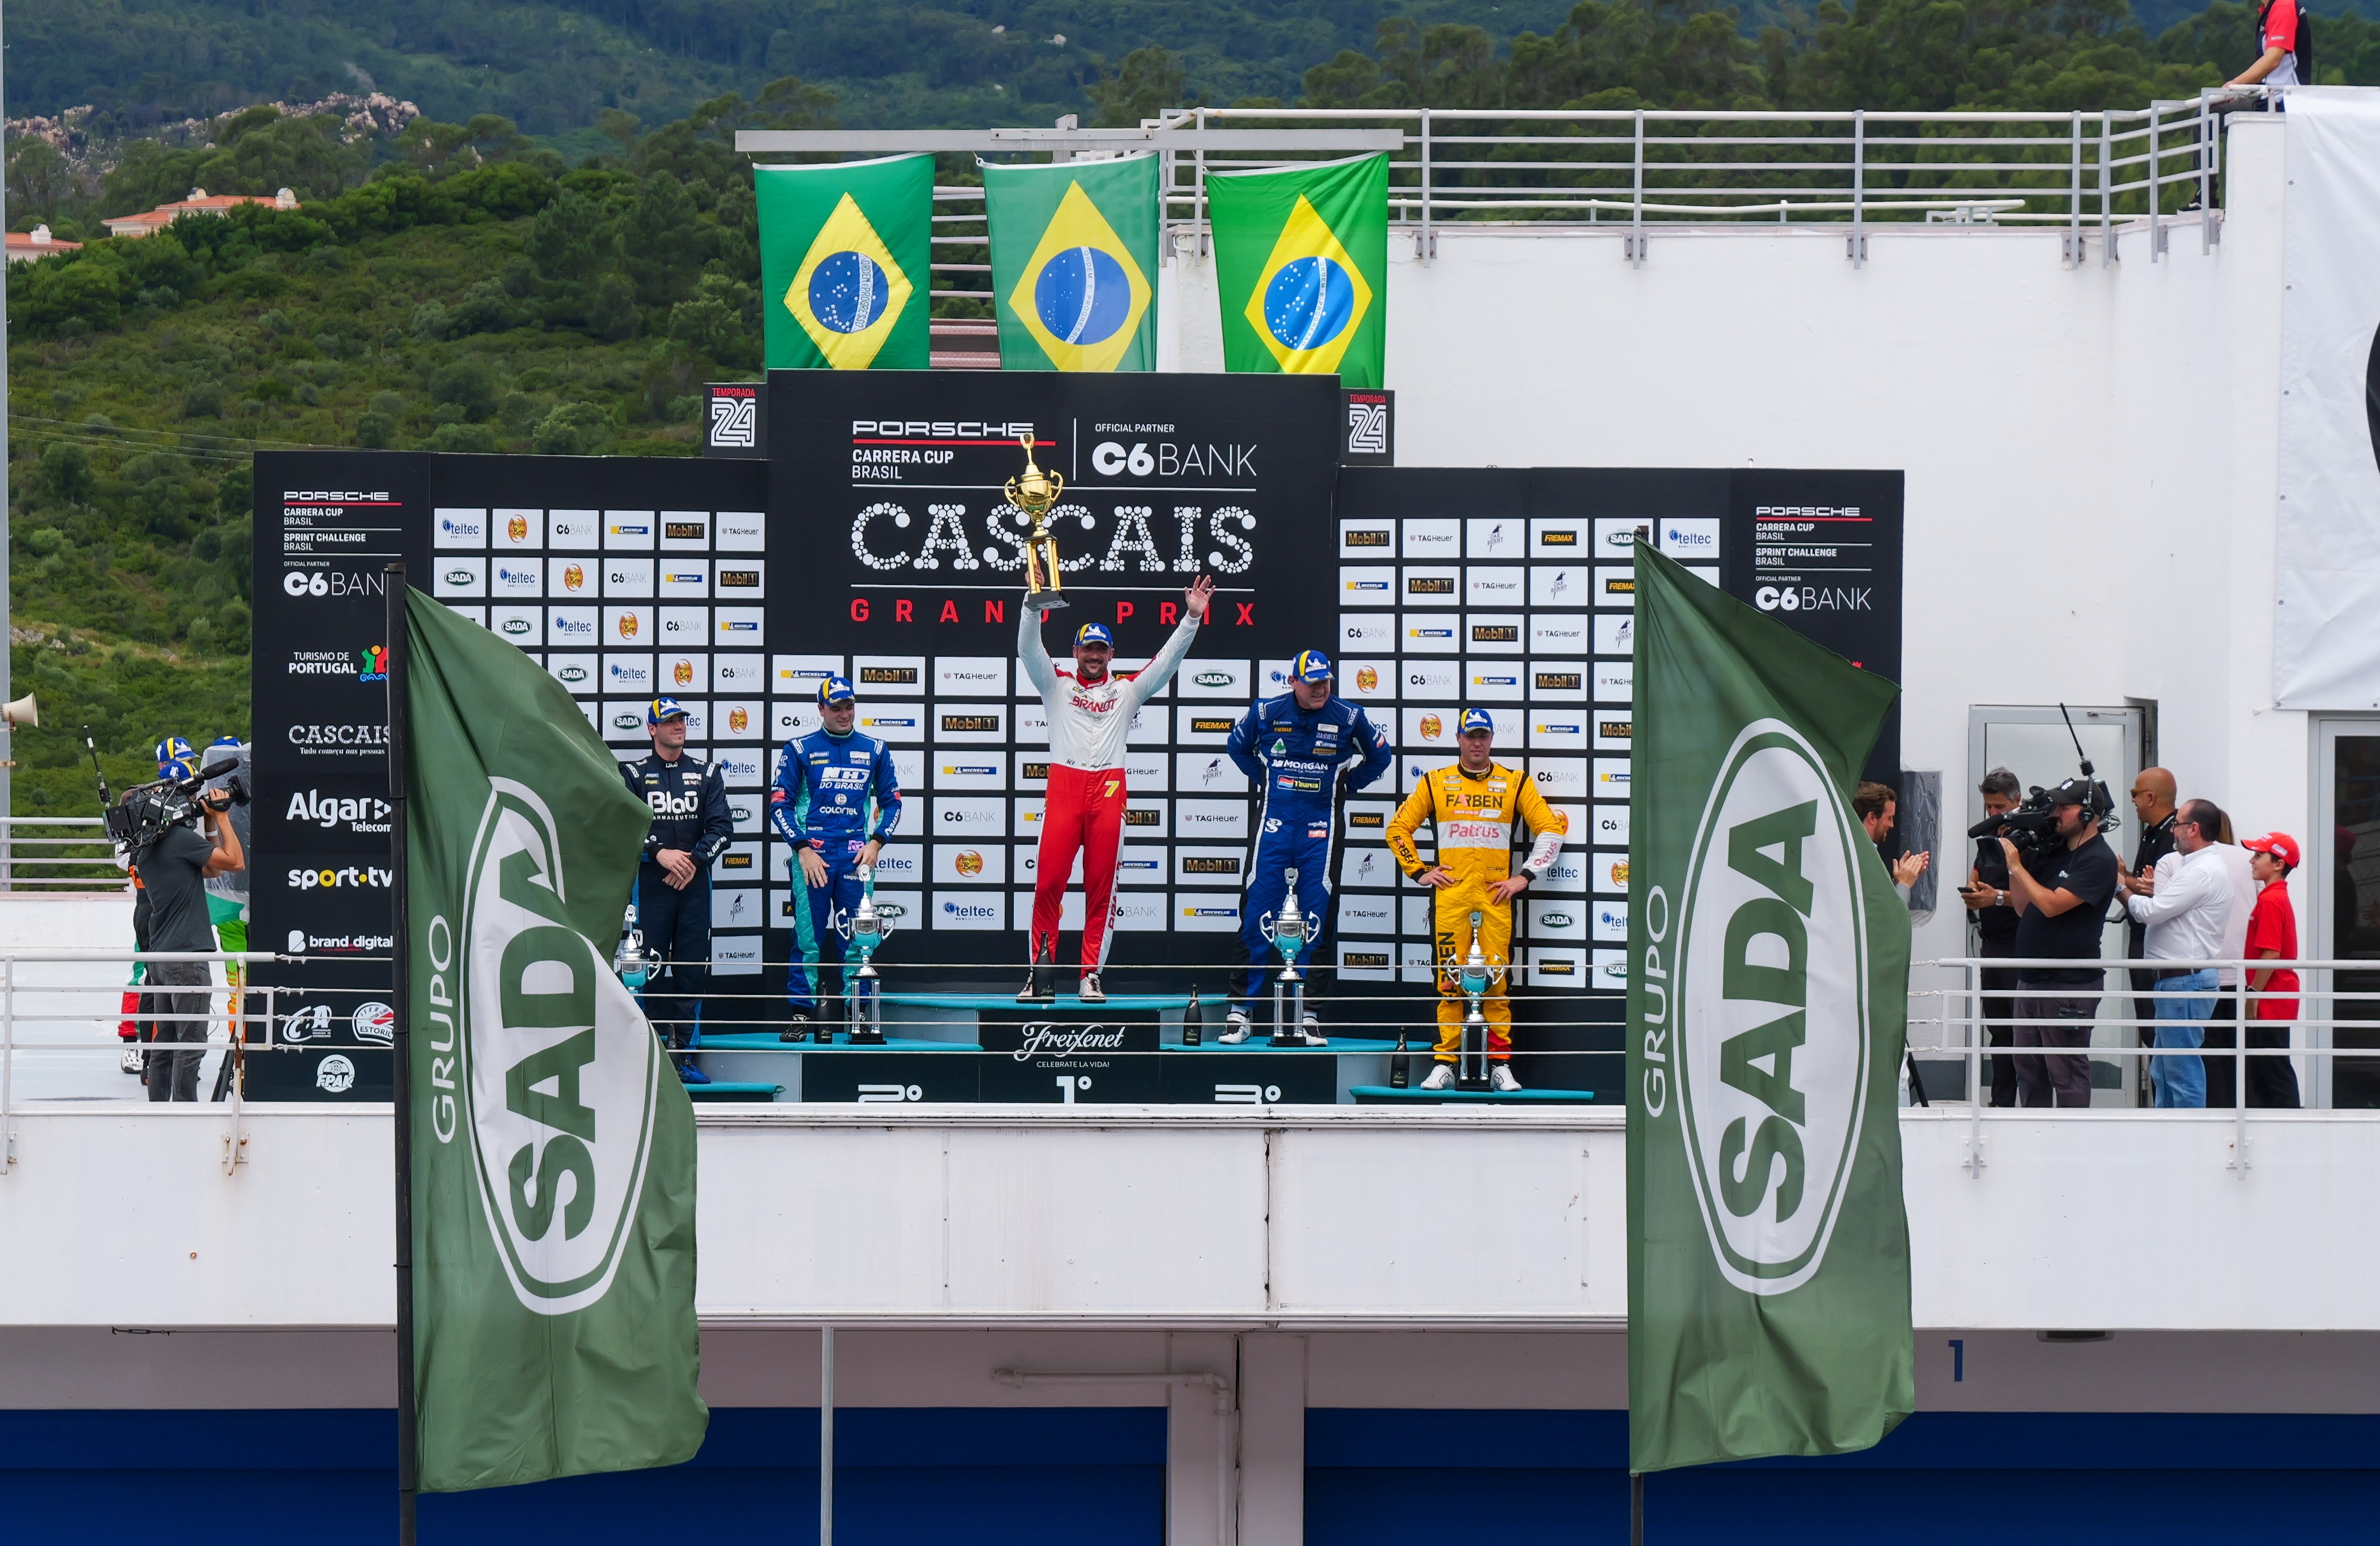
[
  {"x": 1986, "y": 897},
  {"x": 175, "y": 867},
  {"x": 2061, "y": 890}
]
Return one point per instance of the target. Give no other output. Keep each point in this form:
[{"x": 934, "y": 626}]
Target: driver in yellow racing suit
[{"x": 1473, "y": 805}]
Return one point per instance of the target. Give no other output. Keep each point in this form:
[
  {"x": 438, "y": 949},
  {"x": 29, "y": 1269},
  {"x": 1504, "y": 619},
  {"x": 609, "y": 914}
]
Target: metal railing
[
  {"x": 59, "y": 854},
  {"x": 1960, "y": 1020},
  {"x": 1633, "y": 172}
]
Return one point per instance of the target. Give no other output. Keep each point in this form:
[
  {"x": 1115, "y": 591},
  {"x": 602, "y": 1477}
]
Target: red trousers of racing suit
[{"x": 1081, "y": 810}]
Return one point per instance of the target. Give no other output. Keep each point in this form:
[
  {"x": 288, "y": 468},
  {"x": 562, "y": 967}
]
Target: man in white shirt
[{"x": 2186, "y": 916}]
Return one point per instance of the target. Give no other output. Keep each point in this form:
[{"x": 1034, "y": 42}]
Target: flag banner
[
  {"x": 843, "y": 263},
  {"x": 1768, "y": 975},
  {"x": 553, "y": 1144},
  {"x": 1301, "y": 267},
  {"x": 1074, "y": 264}
]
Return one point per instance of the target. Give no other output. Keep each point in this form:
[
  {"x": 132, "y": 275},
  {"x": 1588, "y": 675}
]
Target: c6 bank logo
[
  {"x": 1772, "y": 1029},
  {"x": 555, "y": 1070}
]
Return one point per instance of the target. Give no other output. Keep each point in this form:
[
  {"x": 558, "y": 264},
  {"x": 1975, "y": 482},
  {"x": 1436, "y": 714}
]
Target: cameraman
[
  {"x": 174, "y": 872},
  {"x": 1986, "y": 895},
  {"x": 2062, "y": 891}
]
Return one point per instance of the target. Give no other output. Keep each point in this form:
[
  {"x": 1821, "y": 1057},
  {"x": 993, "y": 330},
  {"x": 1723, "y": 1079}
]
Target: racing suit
[
  {"x": 689, "y": 806},
  {"x": 1474, "y": 817},
  {"x": 1083, "y": 806},
  {"x": 825, "y": 783},
  {"x": 1299, "y": 760}
]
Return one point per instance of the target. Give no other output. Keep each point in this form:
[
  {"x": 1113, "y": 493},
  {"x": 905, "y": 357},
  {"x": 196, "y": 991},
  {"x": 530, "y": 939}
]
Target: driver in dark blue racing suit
[
  {"x": 691, "y": 825},
  {"x": 1299, "y": 750},
  {"x": 827, "y": 780}
]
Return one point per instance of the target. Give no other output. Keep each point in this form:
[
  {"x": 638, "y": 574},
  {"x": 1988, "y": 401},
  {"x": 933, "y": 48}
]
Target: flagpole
[
  {"x": 401, "y": 1055},
  {"x": 1635, "y": 1508}
]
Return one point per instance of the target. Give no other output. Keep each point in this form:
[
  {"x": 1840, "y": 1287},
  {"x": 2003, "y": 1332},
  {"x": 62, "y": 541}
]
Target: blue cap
[
  {"x": 232, "y": 741},
  {"x": 1094, "y": 633},
  {"x": 661, "y": 708},
  {"x": 1477, "y": 719},
  {"x": 836, "y": 689},
  {"x": 1311, "y": 665},
  {"x": 174, "y": 748}
]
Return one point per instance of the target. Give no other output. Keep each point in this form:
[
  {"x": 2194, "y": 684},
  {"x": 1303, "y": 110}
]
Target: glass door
[{"x": 2340, "y": 904}]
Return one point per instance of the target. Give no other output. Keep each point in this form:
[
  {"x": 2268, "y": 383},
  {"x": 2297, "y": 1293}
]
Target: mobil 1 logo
[{"x": 1773, "y": 1026}]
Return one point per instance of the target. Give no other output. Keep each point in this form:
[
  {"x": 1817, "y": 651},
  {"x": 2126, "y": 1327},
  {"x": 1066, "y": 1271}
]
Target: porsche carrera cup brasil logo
[
  {"x": 558, "y": 1069},
  {"x": 1773, "y": 1033}
]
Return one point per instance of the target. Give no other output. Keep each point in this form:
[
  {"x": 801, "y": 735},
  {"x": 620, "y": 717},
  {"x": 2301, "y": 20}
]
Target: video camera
[
  {"x": 2033, "y": 825},
  {"x": 148, "y": 812}
]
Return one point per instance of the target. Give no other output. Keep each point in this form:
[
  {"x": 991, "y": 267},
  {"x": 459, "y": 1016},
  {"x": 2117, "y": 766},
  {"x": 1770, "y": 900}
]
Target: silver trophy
[
  {"x": 1291, "y": 931},
  {"x": 864, "y": 986},
  {"x": 1471, "y": 1069},
  {"x": 632, "y": 962}
]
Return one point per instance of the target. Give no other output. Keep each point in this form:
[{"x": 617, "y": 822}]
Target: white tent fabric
[{"x": 2327, "y": 589}]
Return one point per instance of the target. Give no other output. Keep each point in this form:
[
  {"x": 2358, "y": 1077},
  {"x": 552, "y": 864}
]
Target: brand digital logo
[{"x": 1772, "y": 1032}]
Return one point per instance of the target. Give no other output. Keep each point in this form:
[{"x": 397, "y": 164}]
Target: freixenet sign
[{"x": 1767, "y": 974}]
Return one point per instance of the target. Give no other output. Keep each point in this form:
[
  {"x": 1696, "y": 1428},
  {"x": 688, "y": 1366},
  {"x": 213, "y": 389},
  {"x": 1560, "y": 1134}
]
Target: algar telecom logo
[
  {"x": 1773, "y": 1027},
  {"x": 539, "y": 1062}
]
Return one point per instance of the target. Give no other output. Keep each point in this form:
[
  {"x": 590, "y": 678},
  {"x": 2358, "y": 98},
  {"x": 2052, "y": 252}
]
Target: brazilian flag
[
  {"x": 1302, "y": 265},
  {"x": 1074, "y": 264},
  {"x": 844, "y": 255}
]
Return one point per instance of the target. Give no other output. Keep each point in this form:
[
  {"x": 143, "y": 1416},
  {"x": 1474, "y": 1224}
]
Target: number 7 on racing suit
[{"x": 827, "y": 782}]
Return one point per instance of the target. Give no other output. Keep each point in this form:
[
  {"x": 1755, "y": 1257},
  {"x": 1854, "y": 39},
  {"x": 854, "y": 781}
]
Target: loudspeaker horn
[{"x": 22, "y": 712}]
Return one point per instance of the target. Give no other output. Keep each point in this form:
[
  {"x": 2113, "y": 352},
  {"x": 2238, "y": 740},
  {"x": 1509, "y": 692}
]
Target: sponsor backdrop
[{"x": 1432, "y": 588}]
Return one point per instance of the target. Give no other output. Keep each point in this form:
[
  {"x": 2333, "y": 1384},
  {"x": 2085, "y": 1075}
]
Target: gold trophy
[{"x": 1034, "y": 493}]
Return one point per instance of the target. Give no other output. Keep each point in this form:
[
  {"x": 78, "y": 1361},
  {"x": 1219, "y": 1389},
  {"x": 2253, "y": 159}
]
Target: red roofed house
[
  {"x": 199, "y": 202},
  {"x": 26, "y": 245}
]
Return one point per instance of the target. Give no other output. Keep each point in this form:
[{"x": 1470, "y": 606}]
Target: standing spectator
[
  {"x": 2273, "y": 936},
  {"x": 228, "y": 892},
  {"x": 174, "y": 870},
  {"x": 2185, "y": 916},
  {"x": 2062, "y": 891},
  {"x": 2277, "y": 27},
  {"x": 2222, "y": 1027},
  {"x": 2153, "y": 797},
  {"x": 1878, "y": 808},
  {"x": 1986, "y": 895}
]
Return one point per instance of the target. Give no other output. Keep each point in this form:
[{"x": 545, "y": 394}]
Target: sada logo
[
  {"x": 559, "y": 1069},
  {"x": 516, "y": 627},
  {"x": 1772, "y": 1022},
  {"x": 1213, "y": 678},
  {"x": 571, "y": 675}
]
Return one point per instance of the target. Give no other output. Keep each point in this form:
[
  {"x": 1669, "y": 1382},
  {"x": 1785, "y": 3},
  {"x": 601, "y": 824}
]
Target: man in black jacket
[
  {"x": 1985, "y": 895},
  {"x": 2153, "y": 803},
  {"x": 691, "y": 825}
]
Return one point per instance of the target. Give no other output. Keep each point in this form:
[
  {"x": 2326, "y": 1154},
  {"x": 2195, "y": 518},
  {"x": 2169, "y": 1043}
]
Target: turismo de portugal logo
[
  {"x": 559, "y": 1075},
  {"x": 1773, "y": 1029}
]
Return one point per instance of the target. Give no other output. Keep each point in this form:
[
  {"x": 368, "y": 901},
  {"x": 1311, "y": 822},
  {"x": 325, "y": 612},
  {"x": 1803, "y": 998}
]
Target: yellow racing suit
[{"x": 1474, "y": 816}]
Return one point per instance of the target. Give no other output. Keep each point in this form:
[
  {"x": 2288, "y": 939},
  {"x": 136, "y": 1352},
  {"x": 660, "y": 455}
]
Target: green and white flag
[
  {"x": 843, "y": 263},
  {"x": 1074, "y": 264},
  {"x": 1767, "y": 972},
  {"x": 1302, "y": 268},
  {"x": 552, "y": 1143}
]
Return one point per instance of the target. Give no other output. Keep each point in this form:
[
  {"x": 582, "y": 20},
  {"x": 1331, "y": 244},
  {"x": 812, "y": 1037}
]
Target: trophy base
[{"x": 1046, "y": 601}]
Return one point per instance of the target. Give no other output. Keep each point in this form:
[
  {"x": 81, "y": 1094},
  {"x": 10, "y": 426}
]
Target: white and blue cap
[
  {"x": 176, "y": 759},
  {"x": 661, "y": 708},
  {"x": 1094, "y": 633},
  {"x": 835, "y": 690},
  {"x": 1475, "y": 720},
  {"x": 1311, "y": 665}
]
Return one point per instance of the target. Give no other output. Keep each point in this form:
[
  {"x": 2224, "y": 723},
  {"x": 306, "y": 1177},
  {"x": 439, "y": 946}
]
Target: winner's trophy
[
  {"x": 631, "y": 962},
  {"x": 867, "y": 931},
  {"x": 1471, "y": 1067},
  {"x": 1290, "y": 931},
  {"x": 1034, "y": 493}
]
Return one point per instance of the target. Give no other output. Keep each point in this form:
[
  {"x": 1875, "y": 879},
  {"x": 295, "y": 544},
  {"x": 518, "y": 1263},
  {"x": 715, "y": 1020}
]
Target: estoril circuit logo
[
  {"x": 557, "y": 1071},
  {"x": 1772, "y": 1030}
]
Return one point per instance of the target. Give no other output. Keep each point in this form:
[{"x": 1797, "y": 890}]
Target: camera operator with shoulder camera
[
  {"x": 2061, "y": 883},
  {"x": 1989, "y": 909},
  {"x": 196, "y": 842}
]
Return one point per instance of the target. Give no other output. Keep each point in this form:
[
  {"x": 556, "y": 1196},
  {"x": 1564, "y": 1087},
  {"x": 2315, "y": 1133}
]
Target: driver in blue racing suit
[
  {"x": 691, "y": 828},
  {"x": 826, "y": 782},
  {"x": 1298, "y": 749}
]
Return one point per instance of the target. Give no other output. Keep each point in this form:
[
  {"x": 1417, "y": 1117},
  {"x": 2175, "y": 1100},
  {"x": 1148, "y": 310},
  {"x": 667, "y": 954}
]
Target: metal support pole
[
  {"x": 1198, "y": 206},
  {"x": 1426, "y": 244},
  {"x": 8, "y": 1062},
  {"x": 8, "y": 613},
  {"x": 2074, "y": 195},
  {"x": 2239, "y": 1075},
  {"x": 1635, "y": 1508},
  {"x": 1974, "y": 980},
  {"x": 1858, "y": 188},
  {"x": 826, "y": 1436},
  {"x": 409, "y": 1458},
  {"x": 2210, "y": 136},
  {"x": 2156, "y": 189},
  {"x": 2107, "y": 187},
  {"x": 1636, "y": 199}
]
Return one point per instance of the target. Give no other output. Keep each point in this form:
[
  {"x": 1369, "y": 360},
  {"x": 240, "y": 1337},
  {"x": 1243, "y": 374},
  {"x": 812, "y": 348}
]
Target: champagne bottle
[
  {"x": 1193, "y": 1027},
  {"x": 1398, "y": 1077}
]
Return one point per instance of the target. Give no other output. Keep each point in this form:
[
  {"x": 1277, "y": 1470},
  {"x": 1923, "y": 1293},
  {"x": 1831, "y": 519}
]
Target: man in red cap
[{"x": 2272, "y": 936}]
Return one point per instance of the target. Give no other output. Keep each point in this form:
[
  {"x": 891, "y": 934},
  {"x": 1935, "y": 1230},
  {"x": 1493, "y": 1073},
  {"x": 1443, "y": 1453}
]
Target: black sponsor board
[
  {"x": 1041, "y": 1058},
  {"x": 888, "y": 1079},
  {"x": 1249, "y": 1078}
]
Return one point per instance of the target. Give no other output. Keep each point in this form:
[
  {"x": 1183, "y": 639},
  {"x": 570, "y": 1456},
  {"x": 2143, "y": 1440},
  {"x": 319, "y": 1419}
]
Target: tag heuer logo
[
  {"x": 1772, "y": 1032},
  {"x": 1213, "y": 678},
  {"x": 559, "y": 1071}
]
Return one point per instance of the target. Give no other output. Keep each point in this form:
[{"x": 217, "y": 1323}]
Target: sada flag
[
  {"x": 844, "y": 255},
  {"x": 553, "y": 1144},
  {"x": 1302, "y": 265},
  {"x": 1768, "y": 975},
  {"x": 1074, "y": 253}
]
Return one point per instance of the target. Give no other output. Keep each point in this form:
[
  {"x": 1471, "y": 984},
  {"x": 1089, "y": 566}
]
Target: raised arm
[
  {"x": 1031, "y": 654},
  {"x": 1152, "y": 677}
]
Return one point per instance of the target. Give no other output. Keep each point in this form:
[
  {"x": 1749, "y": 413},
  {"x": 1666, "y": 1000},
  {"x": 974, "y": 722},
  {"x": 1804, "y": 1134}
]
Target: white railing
[
  {"x": 59, "y": 854},
  {"x": 1633, "y": 172}
]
